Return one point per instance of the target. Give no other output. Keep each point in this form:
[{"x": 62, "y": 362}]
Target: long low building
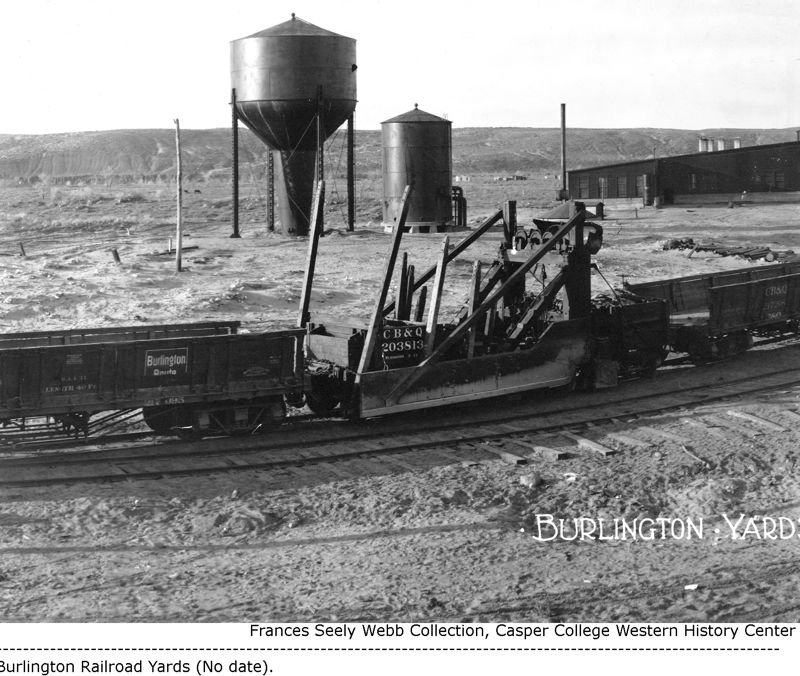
[{"x": 772, "y": 169}]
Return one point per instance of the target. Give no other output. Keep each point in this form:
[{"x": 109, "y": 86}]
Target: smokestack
[
  {"x": 720, "y": 144},
  {"x": 564, "y": 150}
]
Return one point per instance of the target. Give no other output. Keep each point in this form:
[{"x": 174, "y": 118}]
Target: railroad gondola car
[
  {"x": 718, "y": 314},
  {"x": 186, "y": 378}
]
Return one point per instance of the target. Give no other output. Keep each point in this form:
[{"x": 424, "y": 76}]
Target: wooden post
[
  {"x": 402, "y": 290},
  {"x": 179, "y": 235},
  {"x": 313, "y": 244},
  {"x": 563, "y": 192},
  {"x": 235, "y": 163},
  {"x": 398, "y": 301},
  {"x": 510, "y": 222},
  {"x": 436, "y": 297},
  {"x": 423, "y": 296},
  {"x": 115, "y": 253},
  {"x": 474, "y": 302},
  {"x": 409, "y": 298},
  {"x": 388, "y": 268},
  {"x": 22, "y": 250},
  {"x": 351, "y": 168}
]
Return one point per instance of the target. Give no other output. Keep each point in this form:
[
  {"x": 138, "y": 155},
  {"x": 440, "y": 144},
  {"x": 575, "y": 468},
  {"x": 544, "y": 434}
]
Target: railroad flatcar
[{"x": 508, "y": 338}]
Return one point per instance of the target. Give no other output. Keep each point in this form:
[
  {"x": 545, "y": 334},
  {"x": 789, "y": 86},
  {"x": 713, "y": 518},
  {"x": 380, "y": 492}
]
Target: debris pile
[{"x": 749, "y": 251}]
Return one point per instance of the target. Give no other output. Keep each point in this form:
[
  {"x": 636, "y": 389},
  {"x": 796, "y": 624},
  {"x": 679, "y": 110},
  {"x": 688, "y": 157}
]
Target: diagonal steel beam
[
  {"x": 313, "y": 245},
  {"x": 388, "y": 271}
]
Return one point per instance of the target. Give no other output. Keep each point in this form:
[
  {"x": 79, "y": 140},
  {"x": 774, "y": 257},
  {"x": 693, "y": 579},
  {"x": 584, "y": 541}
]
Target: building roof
[
  {"x": 417, "y": 115},
  {"x": 727, "y": 151},
  {"x": 562, "y": 212}
]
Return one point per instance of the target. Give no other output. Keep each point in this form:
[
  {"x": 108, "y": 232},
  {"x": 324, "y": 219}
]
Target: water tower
[{"x": 293, "y": 85}]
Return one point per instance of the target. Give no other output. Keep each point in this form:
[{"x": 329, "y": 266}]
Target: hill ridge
[{"x": 148, "y": 155}]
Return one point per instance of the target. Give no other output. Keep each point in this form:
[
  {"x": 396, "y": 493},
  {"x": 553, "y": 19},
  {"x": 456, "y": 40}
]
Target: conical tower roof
[
  {"x": 416, "y": 115},
  {"x": 293, "y": 26}
]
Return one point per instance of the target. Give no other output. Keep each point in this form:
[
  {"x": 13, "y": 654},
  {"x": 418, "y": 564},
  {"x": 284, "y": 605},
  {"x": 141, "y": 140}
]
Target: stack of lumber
[{"x": 750, "y": 251}]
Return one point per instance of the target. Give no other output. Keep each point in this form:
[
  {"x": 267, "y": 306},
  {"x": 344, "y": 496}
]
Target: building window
[
  {"x": 780, "y": 180},
  {"x": 640, "y": 185},
  {"x": 583, "y": 187},
  {"x": 693, "y": 182},
  {"x": 602, "y": 187},
  {"x": 622, "y": 186}
]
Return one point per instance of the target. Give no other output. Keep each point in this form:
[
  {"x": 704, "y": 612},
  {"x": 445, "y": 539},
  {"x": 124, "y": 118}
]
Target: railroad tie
[
  {"x": 734, "y": 427},
  {"x": 334, "y": 468},
  {"x": 706, "y": 427},
  {"x": 670, "y": 436},
  {"x": 397, "y": 461},
  {"x": 794, "y": 416},
  {"x": 757, "y": 420},
  {"x": 450, "y": 456},
  {"x": 628, "y": 440},
  {"x": 546, "y": 451},
  {"x": 505, "y": 456},
  {"x": 590, "y": 445}
]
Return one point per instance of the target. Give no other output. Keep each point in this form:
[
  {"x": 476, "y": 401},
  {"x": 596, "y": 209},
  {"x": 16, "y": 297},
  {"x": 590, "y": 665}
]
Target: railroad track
[{"x": 512, "y": 430}]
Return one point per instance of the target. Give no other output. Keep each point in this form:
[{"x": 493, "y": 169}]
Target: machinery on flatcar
[{"x": 507, "y": 338}]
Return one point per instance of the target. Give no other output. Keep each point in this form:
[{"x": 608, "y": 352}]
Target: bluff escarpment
[{"x": 148, "y": 155}]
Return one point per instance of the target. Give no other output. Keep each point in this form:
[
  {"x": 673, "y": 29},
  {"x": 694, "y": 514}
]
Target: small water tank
[{"x": 417, "y": 149}]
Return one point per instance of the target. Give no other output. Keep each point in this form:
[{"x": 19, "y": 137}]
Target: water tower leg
[
  {"x": 235, "y": 163},
  {"x": 351, "y": 168},
  {"x": 271, "y": 190},
  {"x": 320, "y": 135}
]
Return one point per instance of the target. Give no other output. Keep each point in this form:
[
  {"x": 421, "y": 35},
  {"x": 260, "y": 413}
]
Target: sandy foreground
[{"x": 445, "y": 542}]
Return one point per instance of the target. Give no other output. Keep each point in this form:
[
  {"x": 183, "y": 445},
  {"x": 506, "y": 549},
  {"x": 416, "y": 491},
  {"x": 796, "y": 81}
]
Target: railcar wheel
[
  {"x": 322, "y": 403},
  {"x": 324, "y": 395},
  {"x": 188, "y": 434},
  {"x": 295, "y": 399},
  {"x": 160, "y": 419}
]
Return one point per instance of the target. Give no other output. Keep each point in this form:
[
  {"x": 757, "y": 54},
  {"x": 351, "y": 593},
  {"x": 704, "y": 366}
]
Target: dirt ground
[{"x": 447, "y": 542}]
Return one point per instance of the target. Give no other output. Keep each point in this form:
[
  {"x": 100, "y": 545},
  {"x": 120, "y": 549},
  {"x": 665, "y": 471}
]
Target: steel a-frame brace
[{"x": 576, "y": 223}]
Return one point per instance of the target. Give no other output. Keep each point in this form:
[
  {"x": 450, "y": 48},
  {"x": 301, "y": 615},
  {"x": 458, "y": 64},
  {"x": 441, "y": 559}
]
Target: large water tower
[{"x": 293, "y": 85}]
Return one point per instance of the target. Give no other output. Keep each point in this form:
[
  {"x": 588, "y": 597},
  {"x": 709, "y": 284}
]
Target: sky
[{"x": 82, "y": 65}]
